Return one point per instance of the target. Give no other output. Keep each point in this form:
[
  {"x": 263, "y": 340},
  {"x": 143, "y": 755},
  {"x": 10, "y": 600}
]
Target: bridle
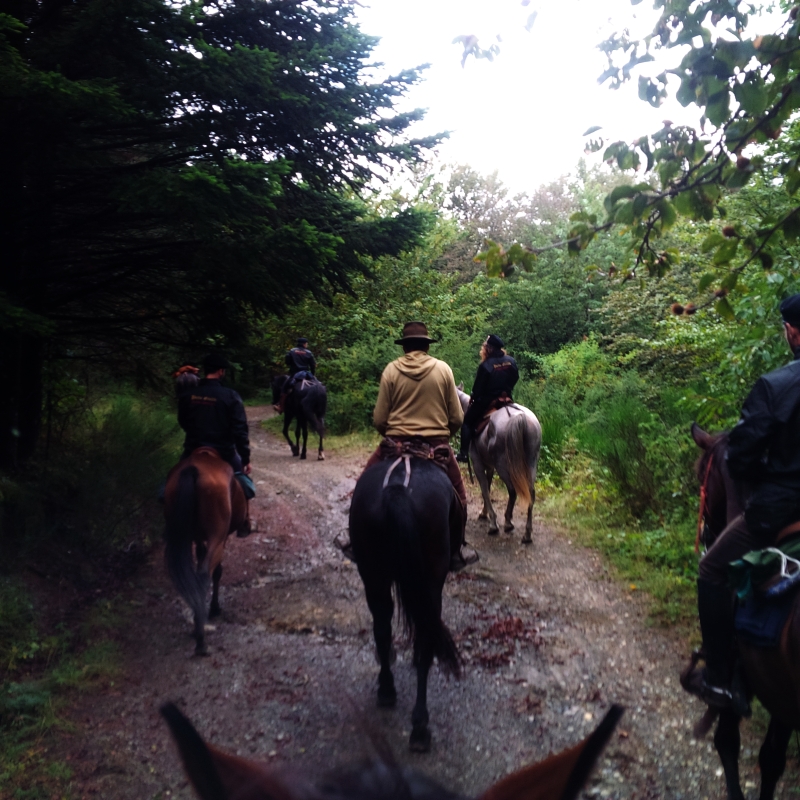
[{"x": 701, "y": 520}]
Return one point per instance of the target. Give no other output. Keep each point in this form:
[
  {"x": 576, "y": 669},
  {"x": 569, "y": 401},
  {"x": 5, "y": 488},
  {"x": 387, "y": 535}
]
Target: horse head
[
  {"x": 278, "y": 382},
  {"x": 720, "y": 498},
  {"x": 216, "y": 775}
]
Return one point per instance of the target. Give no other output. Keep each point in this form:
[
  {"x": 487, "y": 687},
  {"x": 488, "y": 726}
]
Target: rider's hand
[{"x": 247, "y": 469}]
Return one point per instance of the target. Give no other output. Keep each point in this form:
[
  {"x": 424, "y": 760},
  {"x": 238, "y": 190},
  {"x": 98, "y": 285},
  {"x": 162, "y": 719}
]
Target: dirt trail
[{"x": 548, "y": 639}]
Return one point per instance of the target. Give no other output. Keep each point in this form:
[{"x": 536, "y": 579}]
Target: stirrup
[{"x": 695, "y": 681}]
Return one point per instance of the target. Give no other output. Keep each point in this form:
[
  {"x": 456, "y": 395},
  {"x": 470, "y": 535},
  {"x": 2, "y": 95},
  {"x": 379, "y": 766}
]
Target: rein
[{"x": 702, "y": 511}]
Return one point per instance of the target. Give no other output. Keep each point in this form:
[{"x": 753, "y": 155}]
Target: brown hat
[{"x": 414, "y": 330}]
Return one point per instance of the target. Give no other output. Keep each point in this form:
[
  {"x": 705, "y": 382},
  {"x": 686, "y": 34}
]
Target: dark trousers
[{"x": 734, "y": 542}]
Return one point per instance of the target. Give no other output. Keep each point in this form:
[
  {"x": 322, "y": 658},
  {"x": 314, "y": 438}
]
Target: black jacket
[
  {"x": 495, "y": 376},
  {"x": 213, "y": 416},
  {"x": 298, "y": 358},
  {"x": 764, "y": 450}
]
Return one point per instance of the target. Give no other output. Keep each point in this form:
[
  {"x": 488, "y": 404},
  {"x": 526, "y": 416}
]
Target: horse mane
[{"x": 718, "y": 446}]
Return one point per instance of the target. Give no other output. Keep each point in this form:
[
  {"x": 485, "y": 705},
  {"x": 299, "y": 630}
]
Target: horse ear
[
  {"x": 560, "y": 777},
  {"x": 702, "y": 439},
  {"x": 220, "y": 776}
]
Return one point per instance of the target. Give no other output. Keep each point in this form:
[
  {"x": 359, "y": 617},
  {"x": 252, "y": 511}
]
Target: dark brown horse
[
  {"x": 400, "y": 521},
  {"x": 772, "y": 675},
  {"x": 307, "y": 404},
  {"x": 203, "y": 504},
  {"x": 217, "y": 775}
]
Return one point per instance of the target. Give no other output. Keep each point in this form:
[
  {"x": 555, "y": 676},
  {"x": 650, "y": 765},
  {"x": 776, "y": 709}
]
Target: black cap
[
  {"x": 495, "y": 341},
  {"x": 214, "y": 362},
  {"x": 790, "y": 310},
  {"x": 301, "y": 340}
]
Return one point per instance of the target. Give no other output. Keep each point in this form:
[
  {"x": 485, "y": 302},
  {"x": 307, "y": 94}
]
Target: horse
[
  {"x": 400, "y": 529},
  {"x": 217, "y": 775},
  {"x": 307, "y": 403},
  {"x": 203, "y": 504},
  {"x": 772, "y": 675},
  {"x": 509, "y": 444}
]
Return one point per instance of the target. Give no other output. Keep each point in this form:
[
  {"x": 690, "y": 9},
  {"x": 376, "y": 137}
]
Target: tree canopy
[{"x": 171, "y": 169}]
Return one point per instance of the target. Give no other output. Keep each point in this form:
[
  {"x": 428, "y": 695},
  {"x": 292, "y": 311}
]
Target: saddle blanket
[{"x": 759, "y": 622}]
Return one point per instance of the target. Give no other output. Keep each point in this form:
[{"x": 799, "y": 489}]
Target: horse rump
[{"x": 417, "y": 588}]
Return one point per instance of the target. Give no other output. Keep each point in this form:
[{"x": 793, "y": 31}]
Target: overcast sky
[{"x": 523, "y": 114}]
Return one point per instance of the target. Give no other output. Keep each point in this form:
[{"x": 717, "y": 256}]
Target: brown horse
[
  {"x": 203, "y": 504},
  {"x": 772, "y": 675},
  {"x": 217, "y": 775}
]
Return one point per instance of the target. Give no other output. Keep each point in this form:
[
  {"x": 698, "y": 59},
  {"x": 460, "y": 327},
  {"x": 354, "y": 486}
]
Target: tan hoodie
[{"x": 418, "y": 397}]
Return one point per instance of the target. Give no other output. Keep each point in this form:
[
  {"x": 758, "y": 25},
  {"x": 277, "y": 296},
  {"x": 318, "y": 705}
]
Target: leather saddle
[{"x": 497, "y": 403}]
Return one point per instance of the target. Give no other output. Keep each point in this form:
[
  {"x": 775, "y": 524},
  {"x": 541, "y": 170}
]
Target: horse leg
[
  {"x": 486, "y": 491},
  {"x": 727, "y": 741},
  {"x": 287, "y": 421},
  {"x": 772, "y": 758},
  {"x": 512, "y": 499},
  {"x": 320, "y": 454},
  {"x": 215, "y": 610},
  {"x": 381, "y": 607},
  {"x": 296, "y": 445},
  {"x": 526, "y": 539},
  {"x": 420, "y": 741},
  {"x": 305, "y": 440}
]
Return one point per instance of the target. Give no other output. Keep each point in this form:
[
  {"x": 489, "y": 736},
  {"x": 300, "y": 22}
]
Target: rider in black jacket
[
  {"x": 301, "y": 364},
  {"x": 213, "y": 416},
  {"x": 764, "y": 451},
  {"x": 497, "y": 375}
]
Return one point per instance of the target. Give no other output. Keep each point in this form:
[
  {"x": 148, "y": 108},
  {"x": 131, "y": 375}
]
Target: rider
[
  {"x": 418, "y": 401},
  {"x": 497, "y": 375},
  {"x": 213, "y": 416},
  {"x": 301, "y": 364},
  {"x": 764, "y": 451}
]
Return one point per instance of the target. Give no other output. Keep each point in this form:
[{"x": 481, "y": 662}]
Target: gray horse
[{"x": 509, "y": 445}]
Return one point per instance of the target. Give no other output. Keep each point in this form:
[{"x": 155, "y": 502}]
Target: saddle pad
[
  {"x": 246, "y": 482},
  {"x": 759, "y": 622}
]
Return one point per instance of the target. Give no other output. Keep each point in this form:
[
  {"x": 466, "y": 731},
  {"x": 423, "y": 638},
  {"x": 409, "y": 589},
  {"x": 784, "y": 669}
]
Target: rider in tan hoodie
[
  {"x": 418, "y": 397},
  {"x": 418, "y": 400}
]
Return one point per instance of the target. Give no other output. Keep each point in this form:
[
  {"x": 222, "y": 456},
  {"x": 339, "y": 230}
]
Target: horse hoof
[
  {"x": 527, "y": 539},
  {"x": 295, "y": 452},
  {"x": 320, "y": 457},
  {"x": 387, "y": 698},
  {"x": 200, "y": 650},
  {"x": 302, "y": 456},
  {"x": 420, "y": 741},
  {"x": 493, "y": 531},
  {"x": 508, "y": 527},
  {"x": 483, "y": 515},
  {"x": 214, "y": 611}
]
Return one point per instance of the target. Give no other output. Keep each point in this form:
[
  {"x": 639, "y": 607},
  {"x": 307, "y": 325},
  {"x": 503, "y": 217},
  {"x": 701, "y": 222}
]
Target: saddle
[
  {"x": 497, "y": 403},
  {"x": 766, "y": 583}
]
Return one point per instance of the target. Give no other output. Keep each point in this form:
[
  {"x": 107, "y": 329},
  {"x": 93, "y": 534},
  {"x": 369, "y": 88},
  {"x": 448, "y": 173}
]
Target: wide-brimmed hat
[{"x": 414, "y": 330}]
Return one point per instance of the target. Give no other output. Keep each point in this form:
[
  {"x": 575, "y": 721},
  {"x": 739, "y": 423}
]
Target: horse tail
[
  {"x": 415, "y": 595},
  {"x": 181, "y": 520},
  {"x": 315, "y": 404},
  {"x": 517, "y": 446}
]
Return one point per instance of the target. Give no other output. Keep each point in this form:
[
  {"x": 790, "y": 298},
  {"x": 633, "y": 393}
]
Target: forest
[{"x": 227, "y": 176}]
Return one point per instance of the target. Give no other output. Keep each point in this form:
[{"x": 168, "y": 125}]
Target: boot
[
  {"x": 246, "y": 528},
  {"x": 465, "y": 555},
  {"x": 281, "y": 404},
  {"x": 713, "y": 683},
  {"x": 462, "y": 456}
]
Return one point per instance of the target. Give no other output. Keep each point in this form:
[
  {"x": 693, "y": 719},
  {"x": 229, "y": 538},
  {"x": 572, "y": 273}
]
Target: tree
[{"x": 172, "y": 170}]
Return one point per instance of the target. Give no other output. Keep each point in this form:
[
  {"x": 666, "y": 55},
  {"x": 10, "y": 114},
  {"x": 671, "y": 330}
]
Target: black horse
[
  {"x": 400, "y": 521},
  {"x": 307, "y": 403}
]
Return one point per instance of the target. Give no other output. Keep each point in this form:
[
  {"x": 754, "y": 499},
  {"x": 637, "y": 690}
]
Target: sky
[{"x": 524, "y": 114}]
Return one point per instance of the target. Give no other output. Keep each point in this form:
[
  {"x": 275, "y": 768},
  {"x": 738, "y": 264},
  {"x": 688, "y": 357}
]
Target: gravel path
[{"x": 549, "y": 642}]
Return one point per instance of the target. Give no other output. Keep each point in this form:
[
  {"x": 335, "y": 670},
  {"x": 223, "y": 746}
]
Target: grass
[
  {"x": 341, "y": 444},
  {"x": 40, "y": 676}
]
